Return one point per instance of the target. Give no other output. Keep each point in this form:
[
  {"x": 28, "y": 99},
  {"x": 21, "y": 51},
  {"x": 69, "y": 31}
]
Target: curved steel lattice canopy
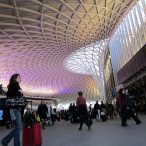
[{"x": 38, "y": 37}]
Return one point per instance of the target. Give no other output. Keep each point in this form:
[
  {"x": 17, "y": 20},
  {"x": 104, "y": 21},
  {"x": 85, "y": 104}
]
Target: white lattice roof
[{"x": 38, "y": 36}]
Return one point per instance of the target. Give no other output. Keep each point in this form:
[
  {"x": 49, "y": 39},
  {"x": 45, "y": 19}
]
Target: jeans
[
  {"x": 98, "y": 115},
  {"x": 15, "y": 133}
]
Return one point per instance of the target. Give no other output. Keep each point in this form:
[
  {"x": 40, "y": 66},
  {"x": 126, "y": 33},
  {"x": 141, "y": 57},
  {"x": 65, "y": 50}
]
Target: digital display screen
[{"x": 1, "y": 114}]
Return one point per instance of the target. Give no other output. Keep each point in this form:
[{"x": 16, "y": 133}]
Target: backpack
[{"x": 28, "y": 119}]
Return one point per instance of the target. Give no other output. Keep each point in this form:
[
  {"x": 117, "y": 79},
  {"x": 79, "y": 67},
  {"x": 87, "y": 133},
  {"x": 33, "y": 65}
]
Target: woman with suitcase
[{"x": 14, "y": 90}]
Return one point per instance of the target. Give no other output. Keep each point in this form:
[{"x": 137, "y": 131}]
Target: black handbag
[{"x": 16, "y": 102}]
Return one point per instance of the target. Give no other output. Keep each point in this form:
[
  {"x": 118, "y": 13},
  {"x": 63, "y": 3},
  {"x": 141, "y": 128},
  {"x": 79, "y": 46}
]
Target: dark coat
[{"x": 42, "y": 111}]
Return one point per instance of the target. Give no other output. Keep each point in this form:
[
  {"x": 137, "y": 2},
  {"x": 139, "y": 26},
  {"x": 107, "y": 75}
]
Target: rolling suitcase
[{"x": 32, "y": 136}]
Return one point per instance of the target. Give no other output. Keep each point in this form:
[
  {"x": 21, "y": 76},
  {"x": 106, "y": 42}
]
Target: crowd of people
[
  {"x": 97, "y": 111},
  {"x": 78, "y": 112}
]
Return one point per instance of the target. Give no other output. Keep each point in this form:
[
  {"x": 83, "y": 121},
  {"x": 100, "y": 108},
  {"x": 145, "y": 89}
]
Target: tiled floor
[{"x": 108, "y": 133}]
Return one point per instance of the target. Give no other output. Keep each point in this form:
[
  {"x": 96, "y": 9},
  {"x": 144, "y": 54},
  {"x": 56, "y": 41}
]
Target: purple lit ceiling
[{"x": 57, "y": 45}]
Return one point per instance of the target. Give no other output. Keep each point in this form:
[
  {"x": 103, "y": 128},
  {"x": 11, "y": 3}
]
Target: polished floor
[{"x": 108, "y": 133}]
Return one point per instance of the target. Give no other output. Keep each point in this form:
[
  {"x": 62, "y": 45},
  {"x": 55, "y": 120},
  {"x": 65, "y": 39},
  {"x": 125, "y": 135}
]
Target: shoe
[
  {"x": 124, "y": 125},
  {"x": 89, "y": 128},
  {"x": 80, "y": 129},
  {"x": 3, "y": 144},
  {"x": 138, "y": 123}
]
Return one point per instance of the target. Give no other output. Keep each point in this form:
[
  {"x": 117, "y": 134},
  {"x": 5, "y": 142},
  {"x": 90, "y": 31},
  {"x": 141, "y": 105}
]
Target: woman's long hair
[{"x": 13, "y": 79}]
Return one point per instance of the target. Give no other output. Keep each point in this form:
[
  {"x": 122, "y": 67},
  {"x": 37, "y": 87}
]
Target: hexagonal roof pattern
[{"x": 57, "y": 45}]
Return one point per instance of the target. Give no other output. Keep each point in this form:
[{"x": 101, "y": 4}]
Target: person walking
[
  {"x": 82, "y": 109},
  {"x": 126, "y": 108},
  {"x": 97, "y": 110},
  {"x": 122, "y": 103},
  {"x": 131, "y": 108},
  {"x": 14, "y": 90},
  {"x": 43, "y": 112}
]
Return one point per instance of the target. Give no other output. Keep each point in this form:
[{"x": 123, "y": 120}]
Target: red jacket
[
  {"x": 81, "y": 101},
  {"x": 121, "y": 100}
]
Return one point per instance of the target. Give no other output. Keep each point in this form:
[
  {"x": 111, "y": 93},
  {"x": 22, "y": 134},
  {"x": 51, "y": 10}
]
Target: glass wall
[
  {"x": 129, "y": 37},
  {"x": 89, "y": 60},
  {"x": 108, "y": 77}
]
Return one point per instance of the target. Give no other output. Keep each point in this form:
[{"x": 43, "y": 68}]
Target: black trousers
[
  {"x": 124, "y": 114},
  {"x": 83, "y": 116},
  {"x": 134, "y": 117},
  {"x": 84, "y": 120}
]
